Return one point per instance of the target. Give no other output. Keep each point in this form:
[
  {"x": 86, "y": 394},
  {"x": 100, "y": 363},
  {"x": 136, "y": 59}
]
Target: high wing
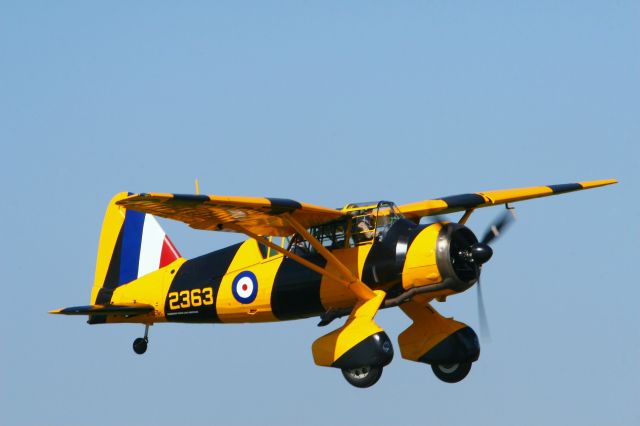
[
  {"x": 262, "y": 216},
  {"x": 462, "y": 202}
]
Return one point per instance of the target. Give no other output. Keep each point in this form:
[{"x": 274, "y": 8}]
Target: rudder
[{"x": 132, "y": 244}]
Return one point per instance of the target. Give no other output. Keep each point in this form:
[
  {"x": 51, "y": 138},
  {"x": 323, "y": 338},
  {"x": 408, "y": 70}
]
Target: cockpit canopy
[
  {"x": 371, "y": 220},
  {"x": 363, "y": 223}
]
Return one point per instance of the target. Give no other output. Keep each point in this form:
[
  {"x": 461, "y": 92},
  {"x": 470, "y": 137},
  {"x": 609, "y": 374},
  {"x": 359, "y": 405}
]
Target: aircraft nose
[{"x": 481, "y": 253}]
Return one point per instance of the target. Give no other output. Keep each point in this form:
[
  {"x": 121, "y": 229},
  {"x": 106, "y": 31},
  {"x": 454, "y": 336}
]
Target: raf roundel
[{"x": 245, "y": 287}]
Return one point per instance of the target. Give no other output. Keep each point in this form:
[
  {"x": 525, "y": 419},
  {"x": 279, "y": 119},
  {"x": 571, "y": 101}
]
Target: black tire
[
  {"x": 362, "y": 377},
  {"x": 140, "y": 345},
  {"x": 451, "y": 373}
]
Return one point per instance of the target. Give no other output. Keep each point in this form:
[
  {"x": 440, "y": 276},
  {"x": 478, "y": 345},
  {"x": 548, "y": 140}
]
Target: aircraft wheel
[
  {"x": 451, "y": 373},
  {"x": 362, "y": 377},
  {"x": 140, "y": 345}
]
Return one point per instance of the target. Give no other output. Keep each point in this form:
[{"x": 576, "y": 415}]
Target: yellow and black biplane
[{"x": 303, "y": 261}]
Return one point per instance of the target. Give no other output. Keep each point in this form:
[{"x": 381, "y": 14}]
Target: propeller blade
[
  {"x": 499, "y": 226},
  {"x": 482, "y": 314},
  {"x": 482, "y": 254}
]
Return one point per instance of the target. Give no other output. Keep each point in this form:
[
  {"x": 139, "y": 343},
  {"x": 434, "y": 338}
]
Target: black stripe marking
[
  {"x": 109, "y": 309},
  {"x": 374, "y": 350},
  {"x": 190, "y": 197},
  {"x": 110, "y": 282},
  {"x": 283, "y": 205},
  {"x": 565, "y": 187},
  {"x": 296, "y": 290},
  {"x": 201, "y": 272},
  {"x": 463, "y": 200},
  {"x": 113, "y": 273},
  {"x": 384, "y": 263},
  {"x": 460, "y": 346}
]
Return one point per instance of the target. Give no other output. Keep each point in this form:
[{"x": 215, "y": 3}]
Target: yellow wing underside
[{"x": 262, "y": 216}]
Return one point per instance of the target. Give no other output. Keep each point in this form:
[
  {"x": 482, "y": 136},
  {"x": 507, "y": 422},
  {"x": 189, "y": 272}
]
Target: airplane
[{"x": 302, "y": 261}]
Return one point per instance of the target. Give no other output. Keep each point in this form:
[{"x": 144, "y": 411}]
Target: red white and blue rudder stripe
[{"x": 145, "y": 247}]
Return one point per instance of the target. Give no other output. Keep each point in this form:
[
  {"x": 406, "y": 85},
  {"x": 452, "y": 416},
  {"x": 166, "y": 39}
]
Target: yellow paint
[
  {"x": 113, "y": 221},
  {"x": 360, "y": 325},
  {"x": 151, "y": 289},
  {"x": 248, "y": 258},
  {"x": 467, "y": 214},
  {"x": 292, "y": 256},
  {"x": 353, "y": 281},
  {"x": 253, "y": 213},
  {"x": 513, "y": 195},
  {"x": 192, "y": 298},
  {"x": 415, "y": 211},
  {"x": 597, "y": 183},
  {"x": 420, "y": 267},
  {"x": 428, "y": 329},
  {"x": 332, "y": 293}
]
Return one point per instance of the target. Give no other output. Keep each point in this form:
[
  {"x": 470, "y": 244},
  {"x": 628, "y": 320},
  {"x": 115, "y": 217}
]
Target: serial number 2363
[{"x": 190, "y": 298}]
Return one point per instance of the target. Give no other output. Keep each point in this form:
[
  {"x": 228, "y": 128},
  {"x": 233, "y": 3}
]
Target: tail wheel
[
  {"x": 451, "y": 373},
  {"x": 140, "y": 345},
  {"x": 362, "y": 377}
]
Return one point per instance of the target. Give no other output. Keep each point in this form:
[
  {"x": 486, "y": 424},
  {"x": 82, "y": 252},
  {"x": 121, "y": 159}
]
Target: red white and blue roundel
[{"x": 245, "y": 287}]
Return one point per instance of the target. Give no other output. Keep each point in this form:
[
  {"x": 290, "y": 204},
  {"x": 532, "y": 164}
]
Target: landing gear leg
[{"x": 140, "y": 344}]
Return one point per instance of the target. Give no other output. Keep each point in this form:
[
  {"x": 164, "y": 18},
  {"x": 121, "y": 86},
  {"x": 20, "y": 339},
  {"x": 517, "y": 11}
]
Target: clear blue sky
[{"x": 328, "y": 103}]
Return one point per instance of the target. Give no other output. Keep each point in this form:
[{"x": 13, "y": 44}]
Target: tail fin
[{"x": 132, "y": 244}]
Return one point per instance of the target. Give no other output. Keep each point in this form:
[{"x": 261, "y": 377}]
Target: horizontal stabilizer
[{"x": 120, "y": 310}]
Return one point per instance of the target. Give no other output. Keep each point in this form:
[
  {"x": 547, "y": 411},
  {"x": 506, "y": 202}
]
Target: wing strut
[
  {"x": 353, "y": 282},
  {"x": 466, "y": 216},
  {"x": 345, "y": 277},
  {"x": 285, "y": 252}
]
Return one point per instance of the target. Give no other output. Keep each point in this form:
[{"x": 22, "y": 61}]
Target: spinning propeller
[{"x": 479, "y": 253}]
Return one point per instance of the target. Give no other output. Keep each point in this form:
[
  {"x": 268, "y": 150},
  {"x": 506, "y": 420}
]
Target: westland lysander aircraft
[{"x": 302, "y": 261}]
